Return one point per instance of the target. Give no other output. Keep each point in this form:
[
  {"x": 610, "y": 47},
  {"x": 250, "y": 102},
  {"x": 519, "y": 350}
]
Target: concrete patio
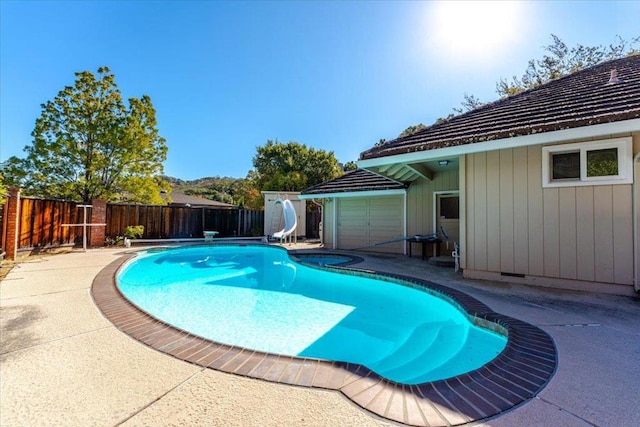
[{"x": 63, "y": 363}]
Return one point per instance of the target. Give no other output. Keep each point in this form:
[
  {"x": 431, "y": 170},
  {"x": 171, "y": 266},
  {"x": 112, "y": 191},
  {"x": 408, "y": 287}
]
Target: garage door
[{"x": 365, "y": 222}]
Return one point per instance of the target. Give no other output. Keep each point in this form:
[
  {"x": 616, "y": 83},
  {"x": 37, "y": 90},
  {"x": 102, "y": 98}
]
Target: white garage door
[{"x": 366, "y": 222}]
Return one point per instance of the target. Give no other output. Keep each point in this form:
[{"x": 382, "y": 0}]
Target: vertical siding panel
[
  {"x": 417, "y": 207},
  {"x": 493, "y": 211},
  {"x": 520, "y": 212},
  {"x": 568, "y": 232},
  {"x": 585, "y": 240},
  {"x": 603, "y": 232},
  {"x": 480, "y": 201},
  {"x": 421, "y": 223},
  {"x": 535, "y": 211},
  {"x": 470, "y": 214},
  {"x": 413, "y": 201},
  {"x": 412, "y": 214},
  {"x": 622, "y": 235},
  {"x": 506, "y": 211},
  {"x": 451, "y": 180},
  {"x": 427, "y": 206},
  {"x": 551, "y": 252}
]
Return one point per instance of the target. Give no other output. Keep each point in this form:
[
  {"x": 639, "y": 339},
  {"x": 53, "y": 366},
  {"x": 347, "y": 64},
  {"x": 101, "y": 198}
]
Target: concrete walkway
[{"x": 63, "y": 363}]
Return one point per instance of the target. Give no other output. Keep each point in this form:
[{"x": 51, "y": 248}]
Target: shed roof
[{"x": 358, "y": 180}]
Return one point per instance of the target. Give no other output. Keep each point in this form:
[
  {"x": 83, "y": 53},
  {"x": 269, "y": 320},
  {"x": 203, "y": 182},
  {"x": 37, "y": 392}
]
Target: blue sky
[{"x": 225, "y": 77}]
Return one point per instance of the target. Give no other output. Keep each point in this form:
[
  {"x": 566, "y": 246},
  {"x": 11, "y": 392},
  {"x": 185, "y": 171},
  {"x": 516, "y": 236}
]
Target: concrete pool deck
[{"x": 62, "y": 362}]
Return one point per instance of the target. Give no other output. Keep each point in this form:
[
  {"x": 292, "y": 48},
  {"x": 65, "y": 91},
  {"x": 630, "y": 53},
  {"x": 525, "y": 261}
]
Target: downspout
[
  {"x": 321, "y": 231},
  {"x": 335, "y": 223},
  {"x": 404, "y": 222},
  {"x": 636, "y": 230}
]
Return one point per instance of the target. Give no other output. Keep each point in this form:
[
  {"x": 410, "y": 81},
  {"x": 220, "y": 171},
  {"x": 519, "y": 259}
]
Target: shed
[{"x": 273, "y": 215}]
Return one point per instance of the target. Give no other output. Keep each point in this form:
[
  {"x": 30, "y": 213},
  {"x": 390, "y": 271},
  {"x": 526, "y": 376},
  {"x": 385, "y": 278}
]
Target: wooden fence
[
  {"x": 41, "y": 223},
  {"x": 162, "y": 222}
]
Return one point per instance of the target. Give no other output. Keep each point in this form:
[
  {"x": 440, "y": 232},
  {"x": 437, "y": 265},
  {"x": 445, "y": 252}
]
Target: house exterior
[{"x": 539, "y": 188}]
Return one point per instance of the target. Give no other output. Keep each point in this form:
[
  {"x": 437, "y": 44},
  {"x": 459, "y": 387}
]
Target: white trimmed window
[{"x": 602, "y": 162}]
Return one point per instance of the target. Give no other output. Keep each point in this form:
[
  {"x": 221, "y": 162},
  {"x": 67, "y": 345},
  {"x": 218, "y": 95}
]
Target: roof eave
[
  {"x": 366, "y": 193},
  {"x": 599, "y": 130}
]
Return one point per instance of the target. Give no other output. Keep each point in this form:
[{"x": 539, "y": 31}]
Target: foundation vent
[{"x": 502, "y": 273}]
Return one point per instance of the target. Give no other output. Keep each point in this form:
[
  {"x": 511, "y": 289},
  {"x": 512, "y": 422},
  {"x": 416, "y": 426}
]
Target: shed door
[{"x": 366, "y": 222}]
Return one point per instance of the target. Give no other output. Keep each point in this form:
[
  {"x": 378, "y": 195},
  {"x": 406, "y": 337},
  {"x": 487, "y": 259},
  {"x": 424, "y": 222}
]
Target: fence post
[
  {"x": 12, "y": 211},
  {"x": 98, "y": 216}
]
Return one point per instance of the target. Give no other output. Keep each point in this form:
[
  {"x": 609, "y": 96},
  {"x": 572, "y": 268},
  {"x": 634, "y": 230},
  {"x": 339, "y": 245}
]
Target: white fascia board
[
  {"x": 584, "y": 132},
  {"x": 353, "y": 194}
]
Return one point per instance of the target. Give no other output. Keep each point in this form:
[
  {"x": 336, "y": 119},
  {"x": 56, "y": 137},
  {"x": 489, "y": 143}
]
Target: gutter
[{"x": 635, "y": 199}]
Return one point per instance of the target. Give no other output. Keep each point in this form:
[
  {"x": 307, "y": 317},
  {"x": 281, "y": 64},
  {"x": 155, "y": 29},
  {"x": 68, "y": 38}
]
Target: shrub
[{"x": 134, "y": 231}]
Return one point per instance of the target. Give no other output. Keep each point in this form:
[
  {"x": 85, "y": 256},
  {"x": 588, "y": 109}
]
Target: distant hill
[{"x": 235, "y": 191}]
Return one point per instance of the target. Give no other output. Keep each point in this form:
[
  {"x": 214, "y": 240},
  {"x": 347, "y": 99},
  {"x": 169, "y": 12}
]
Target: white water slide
[{"x": 290, "y": 220}]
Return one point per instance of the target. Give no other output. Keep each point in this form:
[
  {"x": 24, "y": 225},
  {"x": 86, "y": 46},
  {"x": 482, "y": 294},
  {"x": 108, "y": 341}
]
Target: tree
[
  {"x": 350, "y": 166},
  {"x": 560, "y": 60},
  {"x": 292, "y": 166},
  {"x": 87, "y": 144},
  {"x": 412, "y": 129},
  {"x": 469, "y": 103},
  {"x": 237, "y": 191}
]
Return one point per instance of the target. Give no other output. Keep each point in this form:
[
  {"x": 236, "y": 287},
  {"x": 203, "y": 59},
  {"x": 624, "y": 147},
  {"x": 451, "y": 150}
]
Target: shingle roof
[
  {"x": 580, "y": 99},
  {"x": 358, "y": 180},
  {"x": 185, "y": 199}
]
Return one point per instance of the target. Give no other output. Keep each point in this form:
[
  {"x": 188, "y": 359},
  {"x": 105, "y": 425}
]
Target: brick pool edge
[{"x": 515, "y": 376}]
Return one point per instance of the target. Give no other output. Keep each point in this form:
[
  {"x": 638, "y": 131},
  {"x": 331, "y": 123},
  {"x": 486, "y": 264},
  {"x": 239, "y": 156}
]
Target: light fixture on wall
[{"x": 443, "y": 162}]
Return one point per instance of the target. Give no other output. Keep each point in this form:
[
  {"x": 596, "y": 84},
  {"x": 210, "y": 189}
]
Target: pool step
[
  {"x": 414, "y": 345},
  {"x": 447, "y": 344}
]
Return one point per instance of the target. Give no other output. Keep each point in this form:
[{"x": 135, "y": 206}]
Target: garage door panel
[
  {"x": 391, "y": 248},
  {"x": 366, "y": 222},
  {"x": 353, "y": 243}
]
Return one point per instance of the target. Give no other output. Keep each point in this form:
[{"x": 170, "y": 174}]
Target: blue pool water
[{"x": 258, "y": 298}]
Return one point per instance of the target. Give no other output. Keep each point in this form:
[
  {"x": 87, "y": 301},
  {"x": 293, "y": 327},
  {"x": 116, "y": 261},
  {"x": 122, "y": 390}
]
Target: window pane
[
  {"x": 566, "y": 165},
  {"x": 450, "y": 207},
  {"x": 602, "y": 162}
]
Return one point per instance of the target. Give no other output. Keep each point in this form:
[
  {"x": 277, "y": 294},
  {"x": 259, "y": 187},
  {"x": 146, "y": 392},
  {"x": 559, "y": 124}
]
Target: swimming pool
[{"x": 257, "y": 297}]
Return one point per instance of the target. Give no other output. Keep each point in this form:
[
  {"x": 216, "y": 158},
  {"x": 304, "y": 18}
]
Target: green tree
[
  {"x": 412, "y": 129},
  {"x": 3, "y": 190},
  {"x": 349, "y": 166},
  {"x": 87, "y": 144},
  {"x": 292, "y": 166},
  {"x": 469, "y": 103},
  {"x": 560, "y": 60}
]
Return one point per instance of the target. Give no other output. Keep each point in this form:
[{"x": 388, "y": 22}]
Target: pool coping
[
  {"x": 300, "y": 255},
  {"x": 515, "y": 376}
]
